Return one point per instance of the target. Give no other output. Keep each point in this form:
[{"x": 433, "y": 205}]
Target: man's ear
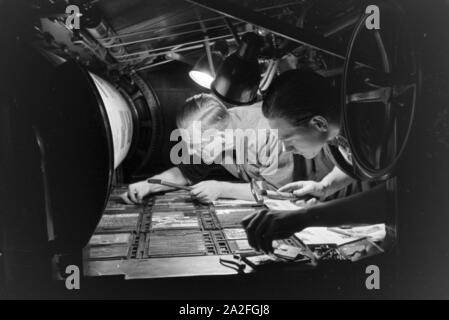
[{"x": 320, "y": 123}]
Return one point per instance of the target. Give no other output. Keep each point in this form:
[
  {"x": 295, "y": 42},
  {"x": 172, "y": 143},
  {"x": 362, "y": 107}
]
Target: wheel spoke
[
  {"x": 401, "y": 89},
  {"x": 377, "y": 95}
]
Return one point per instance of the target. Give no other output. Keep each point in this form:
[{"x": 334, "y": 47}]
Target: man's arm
[
  {"x": 137, "y": 191},
  {"x": 210, "y": 190},
  {"x": 240, "y": 191},
  {"x": 370, "y": 207},
  {"x": 330, "y": 184},
  {"x": 335, "y": 181},
  {"x": 172, "y": 175}
]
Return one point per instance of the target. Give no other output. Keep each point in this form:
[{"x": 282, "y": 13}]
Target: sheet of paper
[
  {"x": 243, "y": 245},
  {"x": 339, "y": 236},
  {"x": 288, "y": 252},
  {"x": 235, "y": 234},
  {"x": 375, "y": 232},
  {"x": 360, "y": 250},
  {"x": 321, "y": 235}
]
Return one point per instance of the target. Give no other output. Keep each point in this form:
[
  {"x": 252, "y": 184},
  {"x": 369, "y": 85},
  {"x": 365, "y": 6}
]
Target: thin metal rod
[
  {"x": 154, "y": 65},
  {"x": 277, "y": 6},
  {"x": 169, "y": 47},
  {"x": 195, "y": 22},
  {"x": 169, "y": 55},
  {"x": 238, "y": 12},
  {"x": 304, "y": 37},
  {"x": 342, "y": 24},
  {"x": 183, "y": 49},
  {"x": 137, "y": 33},
  {"x": 199, "y": 46},
  {"x": 209, "y": 55},
  {"x": 206, "y": 43},
  {"x": 179, "y": 50},
  {"x": 165, "y": 36},
  {"x": 331, "y": 72},
  {"x": 231, "y": 28}
]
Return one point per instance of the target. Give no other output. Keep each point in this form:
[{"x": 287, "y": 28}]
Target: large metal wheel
[{"x": 379, "y": 92}]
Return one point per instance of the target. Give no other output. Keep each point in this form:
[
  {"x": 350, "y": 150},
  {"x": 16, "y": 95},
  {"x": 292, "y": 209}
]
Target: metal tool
[
  {"x": 236, "y": 263},
  {"x": 259, "y": 194},
  {"x": 169, "y": 184}
]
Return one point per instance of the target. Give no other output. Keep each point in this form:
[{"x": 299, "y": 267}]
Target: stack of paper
[{"x": 339, "y": 236}]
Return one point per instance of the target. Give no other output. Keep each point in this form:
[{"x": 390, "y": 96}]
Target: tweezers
[
  {"x": 169, "y": 184},
  {"x": 256, "y": 192}
]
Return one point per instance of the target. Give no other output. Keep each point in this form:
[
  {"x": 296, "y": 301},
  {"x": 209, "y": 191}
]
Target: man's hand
[
  {"x": 207, "y": 191},
  {"x": 265, "y": 226},
  {"x": 307, "y": 203},
  {"x": 303, "y": 188},
  {"x": 137, "y": 191}
]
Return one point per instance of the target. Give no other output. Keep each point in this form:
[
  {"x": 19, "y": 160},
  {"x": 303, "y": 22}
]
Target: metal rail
[
  {"x": 137, "y": 33},
  {"x": 168, "y": 48},
  {"x": 238, "y": 12}
]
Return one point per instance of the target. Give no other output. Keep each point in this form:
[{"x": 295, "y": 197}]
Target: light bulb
[{"x": 202, "y": 78}]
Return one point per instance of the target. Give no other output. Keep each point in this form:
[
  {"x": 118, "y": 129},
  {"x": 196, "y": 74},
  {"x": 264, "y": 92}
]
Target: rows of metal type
[{"x": 168, "y": 225}]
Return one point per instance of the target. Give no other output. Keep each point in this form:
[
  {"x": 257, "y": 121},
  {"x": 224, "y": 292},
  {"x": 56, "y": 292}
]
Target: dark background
[{"x": 419, "y": 268}]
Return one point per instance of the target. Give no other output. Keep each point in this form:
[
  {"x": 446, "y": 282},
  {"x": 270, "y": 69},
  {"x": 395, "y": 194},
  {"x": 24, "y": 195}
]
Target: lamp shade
[
  {"x": 237, "y": 80},
  {"x": 202, "y": 73}
]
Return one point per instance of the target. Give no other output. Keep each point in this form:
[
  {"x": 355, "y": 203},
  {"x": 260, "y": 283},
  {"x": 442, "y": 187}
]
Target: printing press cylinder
[
  {"x": 119, "y": 116},
  {"x": 74, "y": 129},
  {"x": 96, "y": 128}
]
